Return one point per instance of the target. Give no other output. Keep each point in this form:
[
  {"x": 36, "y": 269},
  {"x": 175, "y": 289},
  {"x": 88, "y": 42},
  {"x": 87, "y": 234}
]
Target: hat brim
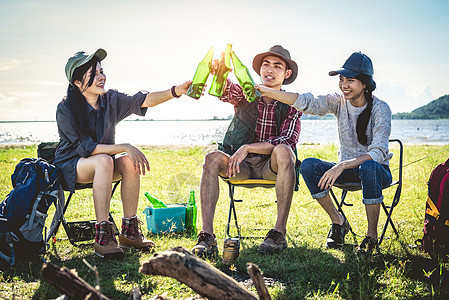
[
  {"x": 258, "y": 59},
  {"x": 344, "y": 72},
  {"x": 100, "y": 54}
]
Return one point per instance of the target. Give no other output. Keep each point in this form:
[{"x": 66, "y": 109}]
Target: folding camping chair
[
  {"x": 77, "y": 231},
  {"x": 248, "y": 183},
  {"x": 388, "y": 209}
]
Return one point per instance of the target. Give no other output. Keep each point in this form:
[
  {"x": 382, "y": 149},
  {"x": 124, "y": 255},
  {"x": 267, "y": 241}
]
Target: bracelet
[{"x": 173, "y": 92}]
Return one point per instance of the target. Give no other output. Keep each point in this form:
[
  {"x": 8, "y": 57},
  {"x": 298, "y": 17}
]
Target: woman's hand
[
  {"x": 138, "y": 159},
  {"x": 328, "y": 179},
  {"x": 234, "y": 161},
  {"x": 264, "y": 91},
  {"x": 182, "y": 88}
]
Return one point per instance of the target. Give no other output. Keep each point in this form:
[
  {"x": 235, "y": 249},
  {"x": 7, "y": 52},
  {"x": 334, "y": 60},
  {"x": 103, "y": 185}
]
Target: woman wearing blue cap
[
  {"x": 364, "y": 127},
  {"x": 87, "y": 151}
]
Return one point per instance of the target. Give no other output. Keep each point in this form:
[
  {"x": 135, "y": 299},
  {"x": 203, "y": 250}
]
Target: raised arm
[
  {"x": 155, "y": 98},
  {"x": 285, "y": 97}
]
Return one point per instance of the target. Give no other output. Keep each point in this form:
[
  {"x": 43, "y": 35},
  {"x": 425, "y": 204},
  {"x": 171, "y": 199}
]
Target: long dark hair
[
  {"x": 77, "y": 101},
  {"x": 363, "y": 119}
]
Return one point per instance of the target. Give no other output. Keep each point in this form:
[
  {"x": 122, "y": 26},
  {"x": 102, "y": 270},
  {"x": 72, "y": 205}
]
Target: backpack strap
[
  {"x": 33, "y": 211},
  {"x": 10, "y": 238},
  {"x": 432, "y": 211}
]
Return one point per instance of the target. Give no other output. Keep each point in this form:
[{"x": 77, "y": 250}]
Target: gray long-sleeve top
[{"x": 378, "y": 129}]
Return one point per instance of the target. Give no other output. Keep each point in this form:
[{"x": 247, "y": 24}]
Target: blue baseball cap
[{"x": 357, "y": 63}]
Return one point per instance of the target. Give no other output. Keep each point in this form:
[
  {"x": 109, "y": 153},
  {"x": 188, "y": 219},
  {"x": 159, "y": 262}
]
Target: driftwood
[
  {"x": 69, "y": 283},
  {"x": 256, "y": 275},
  {"x": 204, "y": 279}
]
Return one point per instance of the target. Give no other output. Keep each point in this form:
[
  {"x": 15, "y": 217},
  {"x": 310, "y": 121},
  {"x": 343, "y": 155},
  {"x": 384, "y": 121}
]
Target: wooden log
[
  {"x": 203, "y": 278},
  {"x": 256, "y": 275},
  {"x": 69, "y": 283}
]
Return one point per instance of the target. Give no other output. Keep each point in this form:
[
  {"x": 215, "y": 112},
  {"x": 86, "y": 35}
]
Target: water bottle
[
  {"x": 154, "y": 201},
  {"x": 191, "y": 213}
]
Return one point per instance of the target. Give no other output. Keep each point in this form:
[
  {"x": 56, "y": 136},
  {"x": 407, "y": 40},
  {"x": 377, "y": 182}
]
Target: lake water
[{"x": 207, "y": 132}]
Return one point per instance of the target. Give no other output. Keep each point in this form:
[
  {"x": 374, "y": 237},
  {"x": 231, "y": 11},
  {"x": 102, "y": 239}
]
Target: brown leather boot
[
  {"x": 105, "y": 244},
  {"x": 132, "y": 235}
]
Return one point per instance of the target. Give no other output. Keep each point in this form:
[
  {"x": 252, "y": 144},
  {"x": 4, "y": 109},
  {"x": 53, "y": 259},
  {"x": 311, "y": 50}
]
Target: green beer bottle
[
  {"x": 154, "y": 201},
  {"x": 218, "y": 83},
  {"x": 191, "y": 212},
  {"x": 245, "y": 79},
  {"x": 201, "y": 74}
]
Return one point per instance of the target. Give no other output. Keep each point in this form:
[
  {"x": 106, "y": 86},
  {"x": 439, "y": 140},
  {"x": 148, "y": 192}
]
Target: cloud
[
  {"x": 8, "y": 64},
  {"x": 402, "y": 98}
]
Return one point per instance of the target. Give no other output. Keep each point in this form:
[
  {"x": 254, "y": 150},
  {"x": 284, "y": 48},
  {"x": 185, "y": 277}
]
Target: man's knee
[
  {"x": 215, "y": 160},
  {"x": 284, "y": 155}
]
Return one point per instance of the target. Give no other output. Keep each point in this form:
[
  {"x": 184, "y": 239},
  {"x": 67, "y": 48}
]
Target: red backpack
[{"x": 436, "y": 223}]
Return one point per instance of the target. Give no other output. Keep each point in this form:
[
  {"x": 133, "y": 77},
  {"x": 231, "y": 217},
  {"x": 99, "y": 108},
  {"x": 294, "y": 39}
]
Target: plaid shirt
[{"x": 266, "y": 120}]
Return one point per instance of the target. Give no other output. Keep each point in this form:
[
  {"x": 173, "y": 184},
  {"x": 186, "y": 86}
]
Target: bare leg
[
  {"x": 130, "y": 185},
  {"x": 283, "y": 163},
  {"x": 331, "y": 210},
  {"x": 97, "y": 169},
  {"x": 215, "y": 163},
  {"x": 372, "y": 214}
]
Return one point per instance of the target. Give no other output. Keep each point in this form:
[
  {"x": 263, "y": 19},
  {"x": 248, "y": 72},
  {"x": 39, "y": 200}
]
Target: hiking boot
[
  {"x": 206, "y": 245},
  {"x": 336, "y": 236},
  {"x": 105, "y": 244},
  {"x": 368, "y": 245},
  {"x": 274, "y": 242},
  {"x": 132, "y": 235}
]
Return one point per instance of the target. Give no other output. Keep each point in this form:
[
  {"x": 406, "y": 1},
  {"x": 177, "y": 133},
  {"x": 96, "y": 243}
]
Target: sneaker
[
  {"x": 368, "y": 245},
  {"x": 105, "y": 244},
  {"x": 274, "y": 242},
  {"x": 336, "y": 236},
  {"x": 206, "y": 245},
  {"x": 132, "y": 236}
]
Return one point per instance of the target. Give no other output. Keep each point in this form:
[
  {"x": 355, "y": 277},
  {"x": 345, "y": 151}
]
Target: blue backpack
[{"x": 24, "y": 210}]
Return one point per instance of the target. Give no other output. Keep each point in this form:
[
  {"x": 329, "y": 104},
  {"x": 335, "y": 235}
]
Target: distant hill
[{"x": 437, "y": 109}]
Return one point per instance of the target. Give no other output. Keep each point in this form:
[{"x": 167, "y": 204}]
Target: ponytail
[{"x": 363, "y": 119}]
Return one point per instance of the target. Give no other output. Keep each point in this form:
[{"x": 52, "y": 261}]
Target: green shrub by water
[{"x": 306, "y": 269}]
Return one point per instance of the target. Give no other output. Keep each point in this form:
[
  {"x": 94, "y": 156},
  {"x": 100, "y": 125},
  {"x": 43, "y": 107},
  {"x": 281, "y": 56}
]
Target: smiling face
[
  {"x": 352, "y": 89},
  {"x": 97, "y": 87},
  {"x": 273, "y": 72}
]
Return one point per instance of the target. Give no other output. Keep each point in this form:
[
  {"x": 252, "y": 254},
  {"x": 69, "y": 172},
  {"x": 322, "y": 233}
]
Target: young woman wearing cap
[
  {"x": 86, "y": 121},
  {"x": 364, "y": 127}
]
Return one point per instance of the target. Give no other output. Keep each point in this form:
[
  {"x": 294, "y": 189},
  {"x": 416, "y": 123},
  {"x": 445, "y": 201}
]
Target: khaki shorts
[{"x": 256, "y": 167}]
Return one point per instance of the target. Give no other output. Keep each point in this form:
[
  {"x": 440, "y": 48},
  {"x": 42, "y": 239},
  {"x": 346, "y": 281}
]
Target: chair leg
[
  {"x": 388, "y": 221},
  {"x": 232, "y": 212},
  {"x": 85, "y": 224},
  {"x": 340, "y": 205}
]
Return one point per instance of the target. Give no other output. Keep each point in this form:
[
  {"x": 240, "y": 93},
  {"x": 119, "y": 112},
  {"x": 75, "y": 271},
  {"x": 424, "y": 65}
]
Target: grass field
[{"x": 305, "y": 270}]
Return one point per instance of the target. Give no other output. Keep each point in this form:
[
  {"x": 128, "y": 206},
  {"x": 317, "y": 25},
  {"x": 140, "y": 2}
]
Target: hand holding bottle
[
  {"x": 221, "y": 74},
  {"x": 196, "y": 89},
  {"x": 264, "y": 91},
  {"x": 216, "y": 63}
]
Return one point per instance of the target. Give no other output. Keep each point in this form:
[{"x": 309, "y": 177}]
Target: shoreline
[{"x": 209, "y": 147}]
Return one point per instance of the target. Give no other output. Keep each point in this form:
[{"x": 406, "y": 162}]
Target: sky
[{"x": 153, "y": 45}]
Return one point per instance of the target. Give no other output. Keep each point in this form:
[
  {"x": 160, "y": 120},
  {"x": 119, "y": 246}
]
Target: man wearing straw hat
[{"x": 260, "y": 144}]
